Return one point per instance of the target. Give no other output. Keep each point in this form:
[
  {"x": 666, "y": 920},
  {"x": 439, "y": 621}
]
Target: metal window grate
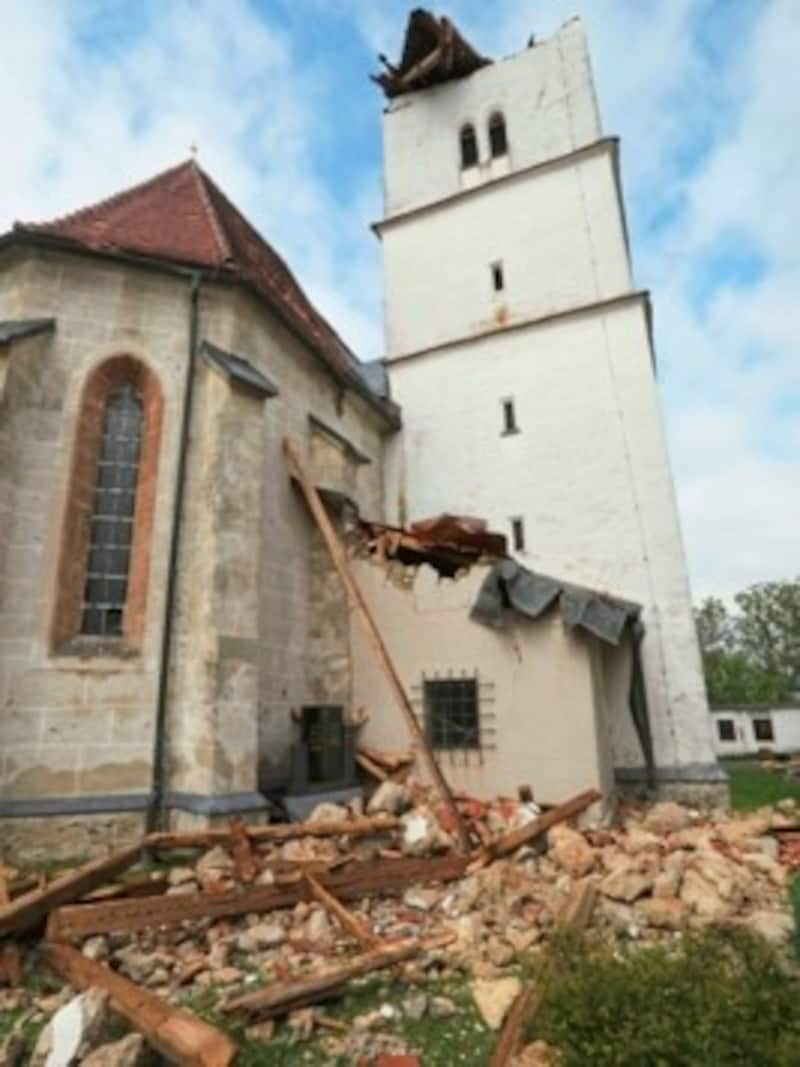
[
  {"x": 725, "y": 730},
  {"x": 451, "y": 712},
  {"x": 111, "y": 530},
  {"x": 762, "y": 728}
]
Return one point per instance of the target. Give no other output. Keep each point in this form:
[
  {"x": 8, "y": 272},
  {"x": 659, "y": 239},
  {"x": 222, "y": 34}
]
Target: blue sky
[{"x": 96, "y": 95}]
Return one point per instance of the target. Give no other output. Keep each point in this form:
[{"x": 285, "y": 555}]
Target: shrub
[{"x": 714, "y": 999}]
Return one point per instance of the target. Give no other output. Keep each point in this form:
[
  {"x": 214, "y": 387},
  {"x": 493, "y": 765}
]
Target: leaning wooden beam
[
  {"x": 181, "y": 1037},
  {"x": 510, "y": 842},
  {"x": 357, "y": 881},
  {"x": 349, "y": 922},
  {"x": 575, "y": 914},
  {"x": 385, "y": 662},
  {"x": 281, "y": 998},
  {"x": 278, "y": 832},
  {"x": 371, "y": 768},
  {"x": 26, "y": 912},
  {"x": 390, "y": 761}
]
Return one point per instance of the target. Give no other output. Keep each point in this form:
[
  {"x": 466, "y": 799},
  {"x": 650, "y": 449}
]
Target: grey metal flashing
[
  {"x": 594, "y": 307},
  {"x": 328, "y": 431},
  {"x": 16, "y": 330},
  {"x": 223, "y": 804},
  {"x": 108, "y": 804},
  {"x": 238, "y": 369},
  {"x": 691, "y": 773}
]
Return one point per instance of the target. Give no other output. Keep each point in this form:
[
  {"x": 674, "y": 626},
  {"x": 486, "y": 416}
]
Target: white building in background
[
  {"x": 747, "y": 731},
  {"x": 521, "y": 351}
]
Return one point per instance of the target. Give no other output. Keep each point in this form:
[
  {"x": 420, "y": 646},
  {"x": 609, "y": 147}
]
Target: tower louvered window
[{"x": 111, "y": 532}]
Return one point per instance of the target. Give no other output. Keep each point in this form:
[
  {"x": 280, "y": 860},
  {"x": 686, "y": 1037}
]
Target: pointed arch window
[
  {"x": 469, "y": 147},
  {"x": 111, "y": 531},
  {"x": 498, "y": 142},
  {"x": 105, "y": 543}
]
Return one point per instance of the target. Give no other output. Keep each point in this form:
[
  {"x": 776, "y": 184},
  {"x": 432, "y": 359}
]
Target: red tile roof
[{"x": 181, "y": 216}]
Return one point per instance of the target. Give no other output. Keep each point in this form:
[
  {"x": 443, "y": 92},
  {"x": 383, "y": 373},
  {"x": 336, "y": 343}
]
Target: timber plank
[
  {"x": 510, "y": 842},
  {"x": 26, "y": 912},
  {"x": 358, "y": 880},
  {"x": 181, "y": 1037}
]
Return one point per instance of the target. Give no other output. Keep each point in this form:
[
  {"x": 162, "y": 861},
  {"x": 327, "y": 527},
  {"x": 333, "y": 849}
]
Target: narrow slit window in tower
[
  {"x": 498, "y": 277},
  {"x": 469, "y": 147},
  {"x": 498, "y": 143},
  {"x": 518, "y": 534}
]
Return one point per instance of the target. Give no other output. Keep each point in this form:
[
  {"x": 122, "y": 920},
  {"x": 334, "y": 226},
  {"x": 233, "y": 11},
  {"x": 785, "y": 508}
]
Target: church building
[{"x": 174, "y": 638}]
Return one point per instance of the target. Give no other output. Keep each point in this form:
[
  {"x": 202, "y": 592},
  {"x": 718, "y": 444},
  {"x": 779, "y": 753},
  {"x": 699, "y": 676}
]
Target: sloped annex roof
[{"x": 181, "y": 217}]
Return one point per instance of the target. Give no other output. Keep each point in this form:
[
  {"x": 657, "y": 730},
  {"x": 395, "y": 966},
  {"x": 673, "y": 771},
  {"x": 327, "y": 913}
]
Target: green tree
[
  {"x": 768, "y": 631},
  {"x": 752, "y": 656}
]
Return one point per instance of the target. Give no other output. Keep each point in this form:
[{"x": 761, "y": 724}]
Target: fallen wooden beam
[
  {"x": 10, "y": 965},
  {"x": 356, "y": 827},
  {"x": 281, "y": 998},
  {"x": 340, "y": 562},
  {"x": 181, "y": 1037},
  {"x": 357, "y": 881},
  {"x": 242, "y": 852},
  {"x": 349, "y": 922},
  {"x": 575, "y": 914},
  {"x": 26, "y": 912},
  {"x": 510, "y": 842}
]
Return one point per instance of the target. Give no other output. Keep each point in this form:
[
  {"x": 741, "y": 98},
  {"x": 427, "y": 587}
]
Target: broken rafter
[
  {"x": 356, "y": 597},
  {"x": 281, "y": 998},
  {"x": 349, "y": 922},
  {"x": 279, "y": 832},
  {"x": 359, "y": 880},
  {"x": 510, "y": 842},
  {"x": 574, "y": 915},
  {"x": 26, "y": 912},
  {"x": 181, "y": 1037}
]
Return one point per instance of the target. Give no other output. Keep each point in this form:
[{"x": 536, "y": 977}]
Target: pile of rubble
[{"x": 257, "y": 919}]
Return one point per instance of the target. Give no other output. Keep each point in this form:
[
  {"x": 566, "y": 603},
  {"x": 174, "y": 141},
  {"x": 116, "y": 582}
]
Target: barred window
[
  {"x": 726, "y": 730},
  {"x": 108, "y": 561},
  {"x": 451, "y": 712},
  {"x": 762, "y": 728}
]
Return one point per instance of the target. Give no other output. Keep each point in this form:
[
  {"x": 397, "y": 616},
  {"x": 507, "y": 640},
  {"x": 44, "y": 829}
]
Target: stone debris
[
  {"x": 658, "y": 872},
  {"x": 494, "y": 998}
]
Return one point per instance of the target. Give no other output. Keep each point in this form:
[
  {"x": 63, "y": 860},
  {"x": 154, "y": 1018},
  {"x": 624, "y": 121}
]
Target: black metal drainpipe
[{"x": 155, "y": 807}]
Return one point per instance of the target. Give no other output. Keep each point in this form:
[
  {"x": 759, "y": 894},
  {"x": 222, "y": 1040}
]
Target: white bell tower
[{"x": 521, "y": 351}]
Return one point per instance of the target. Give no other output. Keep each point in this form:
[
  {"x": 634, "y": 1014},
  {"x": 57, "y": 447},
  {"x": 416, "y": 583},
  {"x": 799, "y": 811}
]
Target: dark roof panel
[
  {"x": 238, "y": 368},
  {"x": 16, "y": 329}
]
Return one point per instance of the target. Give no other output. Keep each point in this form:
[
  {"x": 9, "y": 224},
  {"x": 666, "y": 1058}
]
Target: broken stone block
[
  {"x": 131, "y": 1051},
  {"x": 328, "y": 812},
  {"x": 214, "y": 866},
  {"x": 77, "y": 1027},
  {"x": 441, "y": 1008},
  {"x": 262, "y": 935},
  {"x": 663, "y": 913},
  {"x": 571, "y": 851},
  {"x": 318, "y": 928},
  {"x": 391, "y": 797},
  {"x": 637, "y": 840},
  {"x": 494, "y": 998},
  {"x": 776, "y": 927},
  {"x": 420, "y": 832},
  {"x": 667, "y": 817},
  {"x": 537, "y": 1054},
  {"x": 422, "y": 899},
  {"x": 702, "y": 897},
  {"x": 95, "y": 948},
  {"x": 415, "y": 1006},
  {"x": 181, "y": 875},
  {"x": 626, "y": 883}
]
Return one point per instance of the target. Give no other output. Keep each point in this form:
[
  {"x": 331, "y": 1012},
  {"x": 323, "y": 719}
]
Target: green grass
[
  {"x": 462, "y": 1040},
  {"x": 720, "y": 998},
  {"x": 753, "y": 787}
]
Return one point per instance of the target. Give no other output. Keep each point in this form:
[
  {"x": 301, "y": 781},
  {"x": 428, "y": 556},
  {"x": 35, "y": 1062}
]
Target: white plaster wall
[
  {"x": 558, "y": 232},
  {"x": 588, "y": 472},
  {"x": 547, "y": 98},
  {"x": 785, "y": 726},
  {"x": 541, "y": 719}
]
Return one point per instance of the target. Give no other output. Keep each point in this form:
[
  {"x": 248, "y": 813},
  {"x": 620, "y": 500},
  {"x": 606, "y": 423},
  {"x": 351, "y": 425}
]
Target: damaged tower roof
[{"x": 434, "y": 52}]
